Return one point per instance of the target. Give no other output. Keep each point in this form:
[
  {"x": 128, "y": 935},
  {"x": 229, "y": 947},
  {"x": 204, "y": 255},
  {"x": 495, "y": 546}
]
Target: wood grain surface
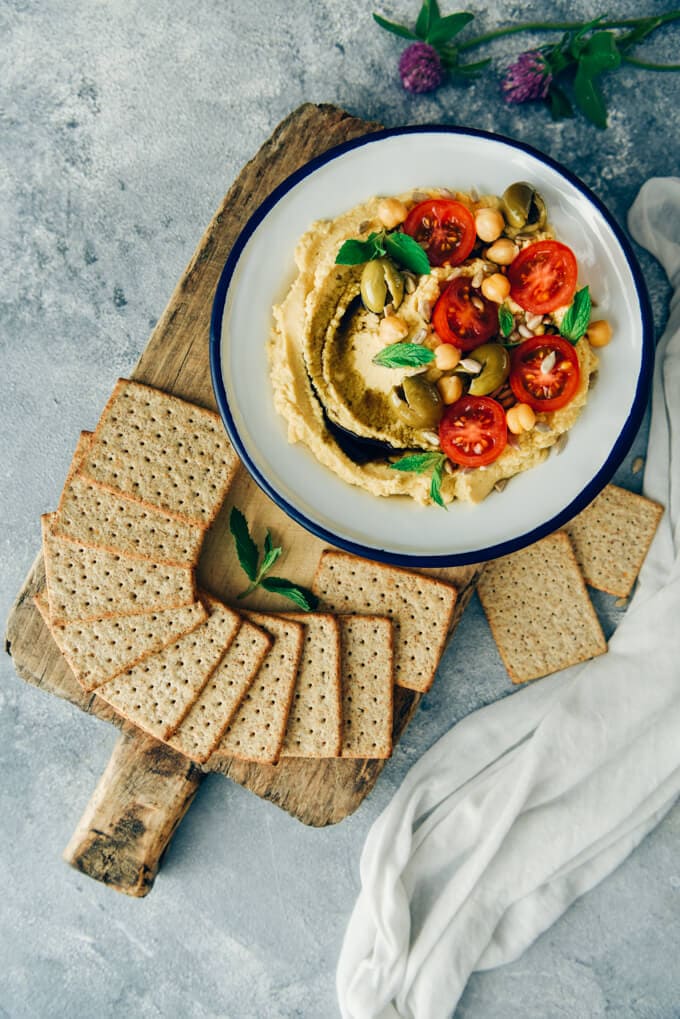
[{"x": 125, "y": 854}]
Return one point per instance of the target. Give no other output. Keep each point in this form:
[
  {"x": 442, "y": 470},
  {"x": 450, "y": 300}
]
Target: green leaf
[
  {"x": 354, "y": 252},
  {"x": 559, "y": 103},
  {"x": 407, "y": 252},
  {"x": 300, "y": 595},
  {"x": 404, "y": 355},
  {"x": 391, "y": 26},
  {"x": 600, "y": 53},
  {"x": 589, "y": 98},
  {"x": 447, "y": 27},
  {"x": 417, "y": 463},
  {"x": 436, "y": 484},
  {"x": 577, "y": 316},
  {"x": 506, "y": 320},
  {"x": 246, "y": 549}
]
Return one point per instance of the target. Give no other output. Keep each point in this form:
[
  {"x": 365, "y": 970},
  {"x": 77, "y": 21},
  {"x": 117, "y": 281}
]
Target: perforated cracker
[
  {"x": 157, "y": 694},
  {"x": 611, "y": 538},
  {"x": 95, "y": 516},
  {"x": 367, "y": 685},
  {"x": 90, "y": 583},
  {"x": 100, "y": 650},
  {"x": 539, "y": 611},
  {"x": 203, "y": 727},
  {"x": 420, "y": 608},
  {"x": 162, "y": 451},
  {"x": 257, "y": 730},
  {"x": 315, "y": 722}
]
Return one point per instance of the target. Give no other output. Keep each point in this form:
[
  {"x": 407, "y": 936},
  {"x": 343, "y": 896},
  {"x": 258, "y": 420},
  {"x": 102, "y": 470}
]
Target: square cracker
[
  {"x": 367, "y": 685},
  {"x": 257, "y": 730},
  {"x": 420, "y": 608},
  {"x": 91, "y": 583},
  {"x": 204, "y": 725},
  {"x": 539, "y": 611},
  {"x": 163, "y": 452},
  {"x": 100, "y": 650},
  {"x": 157, "y": 694},
  {"x": 315, "y": 721},
  {"x": 611, "y": 538}
]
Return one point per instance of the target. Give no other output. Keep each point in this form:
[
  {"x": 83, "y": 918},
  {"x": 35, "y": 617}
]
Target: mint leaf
[
  {"x": 354, "y": 252},
  {"x": 436, "y": 484},
  {"x": 270, "y": 557},
  {"x": 417, "y": 463},
  {"x": 404, "y": 355},
  {"x": 391, "y": 26},
  {"x": 246, "y": 549},
  {"x": 403, "y": 249},
  {"x": 447, "y": 27},
  {"x": 577, "y": 316},
  {"x": 506, "y": 320},
  {"x": 299, "y": 595}
]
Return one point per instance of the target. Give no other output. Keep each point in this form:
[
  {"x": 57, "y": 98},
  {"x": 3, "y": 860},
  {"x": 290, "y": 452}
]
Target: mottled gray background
[{"x": 122, "y": 126}]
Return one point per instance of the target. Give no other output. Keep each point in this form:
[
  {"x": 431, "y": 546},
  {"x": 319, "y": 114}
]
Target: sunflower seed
[
  {"x": 534, "y": 320},
  {"x": 592, "y": 382},
  {"x": 542, "y": 426},
  {"x": 561, "y": 443},
  {"x": 524, "y": 331},
  {"x": 478, "y": 303},
  {"x": 364, "y": 225},
  {"x": 638, "y": 464},
  {"x": 500, "y": 485},
  {"x": 477, "y": 279},
  {"x": 469, "y": 365},
  {"x": 420, "y": 336},
  {"x": 448, "y": 467},
  {"x": 430, "y": 437}
]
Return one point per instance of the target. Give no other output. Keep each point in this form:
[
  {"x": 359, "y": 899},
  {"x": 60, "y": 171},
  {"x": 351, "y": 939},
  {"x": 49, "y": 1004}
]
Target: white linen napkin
[{"x": 526, "y": 804}]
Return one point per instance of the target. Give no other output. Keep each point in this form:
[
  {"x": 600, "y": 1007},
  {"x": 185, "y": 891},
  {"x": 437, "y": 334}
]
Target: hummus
[{"x": 341, "y": 404}]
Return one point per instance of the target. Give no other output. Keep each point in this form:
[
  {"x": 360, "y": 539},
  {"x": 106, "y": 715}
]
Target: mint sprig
[
  {"x": 577, "y": 316},
  {"x": 421, "y": 463},
  {"x": 400, "y": 247},
  {"x": 404, "y": 355},
  {"x": 256, "y": 572}
]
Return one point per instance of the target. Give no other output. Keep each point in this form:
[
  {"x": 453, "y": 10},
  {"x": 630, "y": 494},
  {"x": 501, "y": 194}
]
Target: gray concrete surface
[{"x": 121, "y": 126}]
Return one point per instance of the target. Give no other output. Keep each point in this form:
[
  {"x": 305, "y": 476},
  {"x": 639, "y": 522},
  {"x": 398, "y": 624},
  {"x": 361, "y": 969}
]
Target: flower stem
[
  {"x": 651, "y": 67},
  {"x": 563, "y": 26}
]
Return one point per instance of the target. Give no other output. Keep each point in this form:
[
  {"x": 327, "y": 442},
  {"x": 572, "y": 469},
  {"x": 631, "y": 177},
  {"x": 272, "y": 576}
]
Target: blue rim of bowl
[{"x": 585, "y": 496}]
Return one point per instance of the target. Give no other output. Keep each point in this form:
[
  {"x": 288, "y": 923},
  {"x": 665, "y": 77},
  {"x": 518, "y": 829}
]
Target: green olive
[
  {"x": 495, "y": 362},
  {"x": 421, "y": 405},
  {"x": 379, "y": 276},
  {"x": 524, "y": 208}
]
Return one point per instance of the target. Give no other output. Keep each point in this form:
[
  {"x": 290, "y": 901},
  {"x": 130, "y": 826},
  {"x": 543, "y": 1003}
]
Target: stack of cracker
[{"x": 122, "y": 605}]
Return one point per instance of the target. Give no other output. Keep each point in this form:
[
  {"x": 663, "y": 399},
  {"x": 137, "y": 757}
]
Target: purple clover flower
[
  {"x": 528, "y": 78},
  {"x": 420, "y": 68}
]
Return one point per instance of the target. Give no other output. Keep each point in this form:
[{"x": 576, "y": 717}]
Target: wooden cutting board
[{"x": 147, "y": 787}]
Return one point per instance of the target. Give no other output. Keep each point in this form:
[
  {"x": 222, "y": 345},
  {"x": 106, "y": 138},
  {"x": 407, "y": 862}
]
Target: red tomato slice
[
  {"x": 458, "y": 321},
  {"x": 473, "y": 431},
  {"x": 446, "y": 228},
  {"x": 541, "y": 380},
  {"x": 543, "y": 277}
]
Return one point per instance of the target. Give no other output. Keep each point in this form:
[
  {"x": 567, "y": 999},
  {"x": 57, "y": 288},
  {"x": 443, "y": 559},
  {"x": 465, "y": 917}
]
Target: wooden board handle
[{"x": 141, "y": 798}]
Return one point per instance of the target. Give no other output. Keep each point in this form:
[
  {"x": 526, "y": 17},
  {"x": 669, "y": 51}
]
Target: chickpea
[
  {"x": 450, "y": 389},
  {"x": 489, "y": 224},
  {"x": 520, "y": 418},
  {"x": 392, "y": 329},
  {"x": 391, "y": 212},
  {"x": 496, "y": 287},
  {"x": 503, "y": 252},
  {"x": 599, "y": 333},
  {"x": 446, "y": 357}
]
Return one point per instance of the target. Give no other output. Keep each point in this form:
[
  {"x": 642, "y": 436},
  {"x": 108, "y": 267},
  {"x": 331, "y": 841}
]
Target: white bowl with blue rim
[{"x": 397, "y": 530}]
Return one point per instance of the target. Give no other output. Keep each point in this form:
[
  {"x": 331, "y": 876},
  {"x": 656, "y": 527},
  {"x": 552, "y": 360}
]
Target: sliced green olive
[
  {"x": 524, "y": 208},
  {"x": 378, "y": 277},
  {"x": 420, "y": 405},
  {"x": 495, "y": 362}
]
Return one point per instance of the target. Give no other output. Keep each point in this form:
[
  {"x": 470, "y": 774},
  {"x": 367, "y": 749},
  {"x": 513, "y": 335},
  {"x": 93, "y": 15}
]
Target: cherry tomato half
[
  {"x": 541, "y": 380},
  {"x": 458, "y": 321},
  {"x": 445, "y": 227},
  {"x": 543, "y": 277},
  {"x": 473, "y": 431}
]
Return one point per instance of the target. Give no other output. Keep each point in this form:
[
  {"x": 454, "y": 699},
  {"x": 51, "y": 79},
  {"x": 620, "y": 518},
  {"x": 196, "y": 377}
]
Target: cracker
[
  {"x": 611, "y": 538},
  {"x": 257, "y": 730},
  {"x": 100, "y": 650},
  {"x": 157, "y": 694},
  {"x": 420, "y": 607},
  {"x": 89, "y": 583},
  {"x": 163, "y": 452},
  {"x": 368, "y": 685},
  {"x": 315, "y": 721},
  {"x": 95, "y": 516},
  {"x": 539, "y": 611},
  {"x": 204, "y": 725}
]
